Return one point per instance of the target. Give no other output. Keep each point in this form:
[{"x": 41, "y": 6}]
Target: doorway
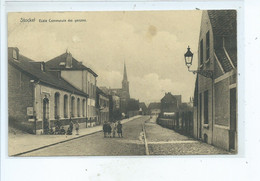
[
  {"x": 45, "y": 115},
  {"x": 233, "y": 119}
]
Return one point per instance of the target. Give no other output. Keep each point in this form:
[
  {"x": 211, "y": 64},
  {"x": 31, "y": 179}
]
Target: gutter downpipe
[{"x": 34, "y": 105}]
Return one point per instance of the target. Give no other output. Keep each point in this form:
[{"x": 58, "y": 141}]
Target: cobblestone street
[
  {"x": 96, "y": 144},
  {"x": 163, "y": 141}
]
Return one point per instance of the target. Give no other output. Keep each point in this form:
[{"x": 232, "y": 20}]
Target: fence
[{"x": 181, "y": 122}]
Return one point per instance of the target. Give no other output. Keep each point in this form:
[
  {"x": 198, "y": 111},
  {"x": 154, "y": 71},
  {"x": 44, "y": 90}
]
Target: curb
[
  {"x": 145, "y": 141},
  {"x": 46, "y": 146}
]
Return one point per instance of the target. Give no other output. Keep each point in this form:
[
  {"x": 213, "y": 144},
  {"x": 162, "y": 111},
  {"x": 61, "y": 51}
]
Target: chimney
[
  {"x": 69, "y": 60},
  {"x": 13, "y": 53},
  {"x": 43, "y": 67}
]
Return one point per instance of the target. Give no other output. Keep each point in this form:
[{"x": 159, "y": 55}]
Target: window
[
  {"x": 207, "y": 45},
  {"x": 57, "y": 105},
  {"x": 72, "y": 107},
  {"x": 206, "y": 109},
  {"x": 83, "y": 107},
  {"x": 78, "y": 107},
  {"x": 15, "y": 54},
  {"x": 65, "y": 106},
  {"x": 201, "y": 52}
]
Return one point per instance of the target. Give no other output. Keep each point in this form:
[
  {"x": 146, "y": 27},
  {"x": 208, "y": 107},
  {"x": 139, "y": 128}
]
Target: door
[
  {"x": 45, "y": 115},
  {"x": 233, "y": 119}
]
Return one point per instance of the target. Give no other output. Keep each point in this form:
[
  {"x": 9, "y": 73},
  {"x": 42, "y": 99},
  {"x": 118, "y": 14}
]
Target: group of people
[
  {"x": 61, "y": 131},
  {"x": 110, "y": 129}
]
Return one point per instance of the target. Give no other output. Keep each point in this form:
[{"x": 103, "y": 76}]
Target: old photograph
[{"x": 122, "y": 83}]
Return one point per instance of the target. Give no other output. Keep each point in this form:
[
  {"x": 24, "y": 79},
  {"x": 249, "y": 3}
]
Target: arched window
[
  {"x": 57, "y": 105},
  {"x": 78, "y": 107},
  {"x": 72, "y": 110},
  {"x": 65, "y": 106},
  {"x": 83, "y": 107}
]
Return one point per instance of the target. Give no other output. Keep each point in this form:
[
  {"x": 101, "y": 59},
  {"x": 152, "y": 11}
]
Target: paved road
[
  {"x": 163, "y": 141},
  {"x": 96, "y": 144}
]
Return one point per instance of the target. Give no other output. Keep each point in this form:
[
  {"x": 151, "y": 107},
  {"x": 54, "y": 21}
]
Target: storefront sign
[{"x": 29, "y": 111}]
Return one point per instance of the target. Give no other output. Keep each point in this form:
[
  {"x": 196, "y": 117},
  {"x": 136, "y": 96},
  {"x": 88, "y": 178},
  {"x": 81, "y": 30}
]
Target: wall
[
  {"x": 20, "y": 96},
  {"x": 75, "y": 78},
  {"x": 45, "y": 91},
  {"x": 203, "y": 82},
  {"x": 86, "y": 82}
]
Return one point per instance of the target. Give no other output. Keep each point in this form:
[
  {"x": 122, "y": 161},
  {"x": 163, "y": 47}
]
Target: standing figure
[
  {"x": 109, "y": 130},
  {"x": 70, "y": 127},
  {"x": 119, "y": 129},
  {"x": 77, "y": 127},
  {"x": 113, "y": 127},
  {"x": 105, "y": 129}
]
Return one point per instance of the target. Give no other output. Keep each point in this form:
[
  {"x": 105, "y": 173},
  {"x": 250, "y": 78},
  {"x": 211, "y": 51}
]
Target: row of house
[{"x": 40, "y": 94}]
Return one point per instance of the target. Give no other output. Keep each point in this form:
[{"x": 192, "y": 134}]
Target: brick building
[
  {"x": 170, "y": 103},
  {"x": 215, "y": 105},
  {"x": 37, "y": 98}
]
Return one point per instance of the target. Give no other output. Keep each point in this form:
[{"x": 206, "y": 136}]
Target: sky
[{"x": 151, "y": 43}]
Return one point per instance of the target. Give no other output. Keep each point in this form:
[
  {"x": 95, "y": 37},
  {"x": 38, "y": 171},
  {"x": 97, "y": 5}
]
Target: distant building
[
  {"x": 80, "y": 76},
  {"x": 102, "y": 104},
  {"x": 154, "y": 108},
  {"x": 143, "y": 110},
  {"x": 114, "y": 104},
  {"x": 123, "y": 93},
  {"x": 132, "y": 107},
  {"x": 215, "y": 100},
  {"x": 170, "y": 103},
  {"x": 38, "y": 98}
]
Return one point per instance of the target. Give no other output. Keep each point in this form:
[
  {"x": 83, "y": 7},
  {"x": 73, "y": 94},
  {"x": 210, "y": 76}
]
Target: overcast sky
[{"x": 152, "y": 43}]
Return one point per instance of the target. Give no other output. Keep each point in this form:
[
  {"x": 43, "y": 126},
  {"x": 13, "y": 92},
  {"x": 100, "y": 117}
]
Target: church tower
[{"x": 125, "y": 85}]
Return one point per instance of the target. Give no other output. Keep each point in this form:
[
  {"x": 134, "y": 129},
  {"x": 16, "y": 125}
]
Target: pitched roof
[
  {"x": 143, "y": 106},
  {"x": 168, "y": 97},
  {"x": 55, "y": 64},
  {"x": 99, "y": 91},
  {"x": 33, "y": 69},
  {"x": 223, "y": 22},
  {"x": 224, "y": 25},
  {"x": 154, "y": 105}
]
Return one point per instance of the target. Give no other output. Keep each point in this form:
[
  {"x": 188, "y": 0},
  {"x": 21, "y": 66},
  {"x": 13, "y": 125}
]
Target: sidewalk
[
  {"x": 163, "y": 141},
  {"x": 21, "y": 143}
]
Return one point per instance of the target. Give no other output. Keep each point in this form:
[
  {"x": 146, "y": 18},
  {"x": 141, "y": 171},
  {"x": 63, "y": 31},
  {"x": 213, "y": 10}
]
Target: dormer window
[{"x": 15, "y": 54}]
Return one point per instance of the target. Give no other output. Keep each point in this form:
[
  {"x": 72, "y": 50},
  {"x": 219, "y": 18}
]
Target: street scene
[{"x": 122, "y": 83}]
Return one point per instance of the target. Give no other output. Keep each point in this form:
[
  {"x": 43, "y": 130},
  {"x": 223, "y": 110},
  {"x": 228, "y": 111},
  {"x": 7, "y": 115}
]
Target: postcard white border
[{"x": 154, "y": 167}]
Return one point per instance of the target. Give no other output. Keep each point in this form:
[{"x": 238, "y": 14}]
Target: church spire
[{"x": 125, "y": 74}]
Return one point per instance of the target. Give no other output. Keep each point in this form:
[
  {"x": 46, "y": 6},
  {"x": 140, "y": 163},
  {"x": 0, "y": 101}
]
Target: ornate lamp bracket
[{"x": 205, "y": 73}]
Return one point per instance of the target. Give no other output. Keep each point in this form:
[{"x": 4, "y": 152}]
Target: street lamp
[{"x": 188, "y": 61}]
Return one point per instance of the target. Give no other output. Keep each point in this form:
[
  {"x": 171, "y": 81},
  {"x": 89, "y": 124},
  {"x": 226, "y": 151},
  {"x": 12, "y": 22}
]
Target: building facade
[
  {"x": 80, "y": 76},
  {"x": 37, "y": 98},
  {"x": 215, "y": 107},
  {"x": 123, "y": 93},
  {"x": 170, "y": 103},
  {"x": 102, "y": 105}
]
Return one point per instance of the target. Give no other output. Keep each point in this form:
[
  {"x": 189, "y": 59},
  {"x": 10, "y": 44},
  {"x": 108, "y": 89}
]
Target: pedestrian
[
  {"x": 77, "y": 127},
  {"x": 119, "y": 129},
  {"x": 113, "y": 127},
  {"x": 62, "y": 131},
  {"x": 70, "y": 129},
  {"x": 105, "y": 129},
  {"x": 109, "y": 130}
]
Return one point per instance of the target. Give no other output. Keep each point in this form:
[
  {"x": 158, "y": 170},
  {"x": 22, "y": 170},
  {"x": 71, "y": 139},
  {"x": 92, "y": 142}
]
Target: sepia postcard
[{"x": 122, "y": 83}]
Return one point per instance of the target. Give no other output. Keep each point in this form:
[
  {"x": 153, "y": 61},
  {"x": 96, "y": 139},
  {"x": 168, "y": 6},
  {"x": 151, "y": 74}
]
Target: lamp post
[{"x": 188, "y": 56}]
